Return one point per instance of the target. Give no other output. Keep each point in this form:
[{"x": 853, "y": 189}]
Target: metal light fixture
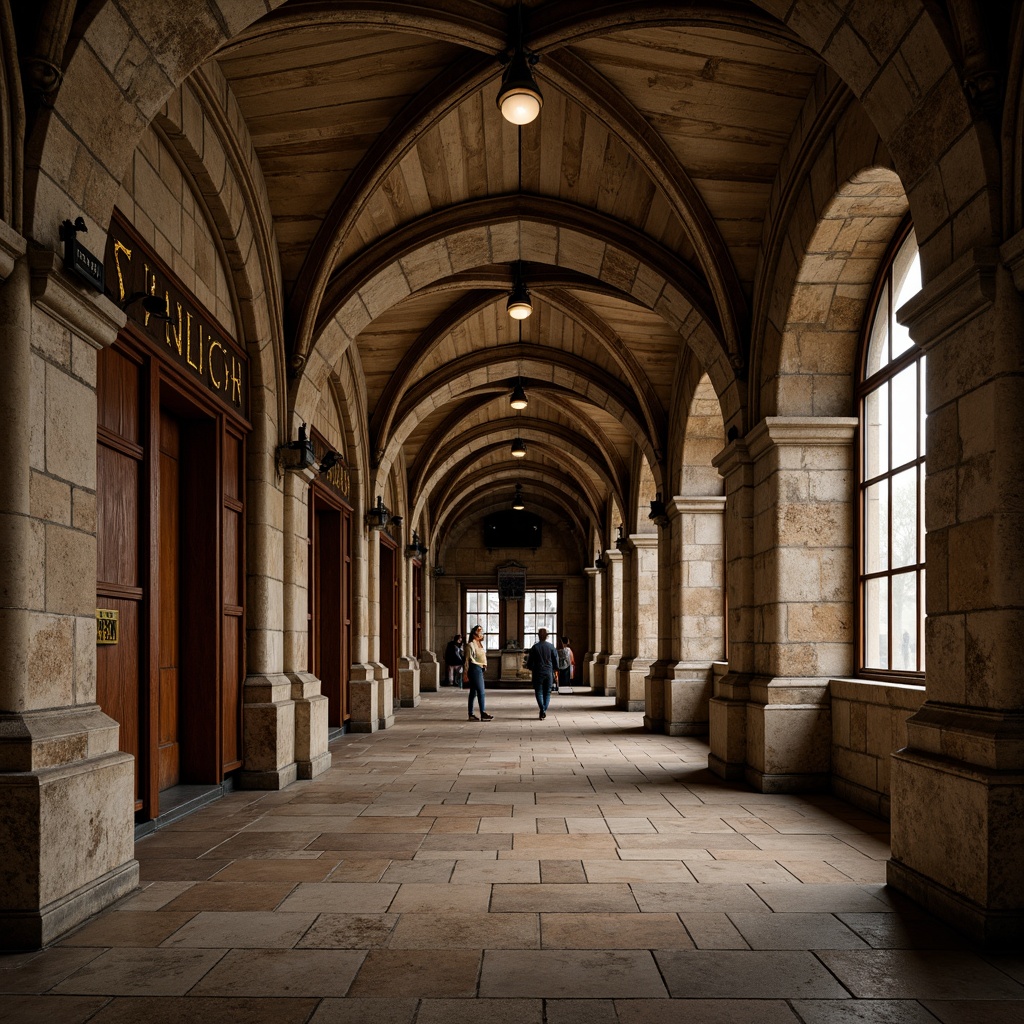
[
  {"x": 379, "y": 516},
  {"x": 519, "y": 305},
  {"x": 517, "y": 500},
  {"x": 518, "y": 399},
  {"x": 658, "y": 513},
  {"x": 329, "y": 461},
  {"x": 599, "y": 563},
  {"x": 153, "y": 306},
  {"x": 519, "y": 98},
  {"x": 296, "y": 455},
  {"x": 621, "y": 542},
  {"x": 518, "y": 448},
  {"x": 416, "y": 548}
]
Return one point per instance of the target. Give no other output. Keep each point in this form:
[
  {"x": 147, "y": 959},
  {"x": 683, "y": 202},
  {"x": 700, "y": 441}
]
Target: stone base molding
[
  {"x": 311, "y": 726},
  {"x": 67, "y": 804},
  {"x": 430, "y": 672},
  {"x": 676, "y": 698},
  {"x": 631, "y": 684},
  {"x": 268, "y": 733},
  {"x": 727, "y": 726},
  {"x": 604, "y": 674},
  {"x": 972, "y": 878},
  {"x": 363, "y": 699},
  {"x": 408, "y": 682},
  {"x": 385, "y": 698}
]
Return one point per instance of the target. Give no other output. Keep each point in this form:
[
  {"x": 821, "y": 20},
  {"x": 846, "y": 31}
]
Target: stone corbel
[
  {"x": 1012, "y": 254},
  {"x": 12, "y": 248},
  {"x": 963, "y": 291},
  {"x": 88, "y": 315}
]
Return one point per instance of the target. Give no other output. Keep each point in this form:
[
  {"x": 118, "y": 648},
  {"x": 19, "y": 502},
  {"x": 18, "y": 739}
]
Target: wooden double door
[
  {"x": 170, "y": 538},
  {"x": 330, "y": 599}
]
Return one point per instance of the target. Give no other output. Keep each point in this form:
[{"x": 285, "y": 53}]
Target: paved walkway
[{"x": 571, "y": 871}]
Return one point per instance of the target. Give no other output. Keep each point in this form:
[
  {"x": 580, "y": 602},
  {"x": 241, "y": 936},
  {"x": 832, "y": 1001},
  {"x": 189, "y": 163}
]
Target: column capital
[
  {"x": 612, "y": 555},
  {"x": 733, "y": 458},
  {"x": 89, "y": 315},
  {"x": 683, "y": 505},
  {"x": 643, "y": 540},
  {"x": 1012, "y": 254},
  {"x": 591, "y": 571},
  {"x": 800, "y": 431},
  {"x": 963, "y": 291}
]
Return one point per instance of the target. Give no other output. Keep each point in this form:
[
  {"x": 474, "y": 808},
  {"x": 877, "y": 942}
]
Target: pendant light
[
  {"x": 519, "y": 305},
  {"x": 519, "y": 399},
  {"x": 518, "y": 448},
  {"x": 517, "y": 500},
  {"x": 519, "y": 98}
]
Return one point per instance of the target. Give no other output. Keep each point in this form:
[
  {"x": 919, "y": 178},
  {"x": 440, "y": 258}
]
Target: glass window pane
[
  {"x": 876, "y": 527},
  {"x": 876, "y": 623},
  {"x": 906, "y": 277},
  {"x": 904, "y": 621},
  {"x": 921, "y": 612},
  {"x": 904, "y": 416},
  {"x": 922, "y": 401},
  {"x": 876, "y": 432},
  {"x": 878, "y": 343},
  {"x": 904, "y": 518}
]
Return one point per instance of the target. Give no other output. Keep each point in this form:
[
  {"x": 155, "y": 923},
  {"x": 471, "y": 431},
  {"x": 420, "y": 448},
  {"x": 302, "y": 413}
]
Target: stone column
[
  {"x": 691, "y": 613},
  {"x": 585, "y": 665},
  {"x": 385, "y": 685},
  {"x": 803, "y": 591},
  {"x": 606, "y": 667},
  {"x": 311, "y": 705},
  {"x": 408, "y": 663},
  {"x": 364, "y": 686},
  {"x": 66, "y": 791},
  {"x": 958, "y": 785},
  {"x": 430, "y": 664},
  {"x": 727, "y": 709},
  {"x": 640, "y": 621}
]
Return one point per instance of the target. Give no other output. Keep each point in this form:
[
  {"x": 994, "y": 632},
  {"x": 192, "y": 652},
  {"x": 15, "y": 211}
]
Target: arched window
[{"x": 892, "y": 423}]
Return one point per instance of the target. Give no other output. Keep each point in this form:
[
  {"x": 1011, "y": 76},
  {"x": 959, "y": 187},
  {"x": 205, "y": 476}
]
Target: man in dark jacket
[
  {"x": 542, "y": 661},
  {"x": 454, "y": 658}
]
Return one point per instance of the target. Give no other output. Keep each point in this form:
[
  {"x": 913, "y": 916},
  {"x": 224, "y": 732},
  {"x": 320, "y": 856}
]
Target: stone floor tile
[
  {"x": 685, "y": 840},
  {"x": 463, "y": 826},
  {"x": 476, "y": 810},
  {"x": 684, "y": 897},
  {"x": 416, "y": 898},
  {"x": 636, "y": 871},
  {"x": 370, "y": 844},
  {"x": 205, "y": 1011},
  {"x": 175, "y": 870},
  {"x": 666, "y": 853},
  {"x": 286, "y": 869},
  {"x": 713, "y": 931},
  {"x": 552, "y": 826},
  {"x": 458, "y": 843},
  {"x": 744, "y": 872},
  {"x": 585, "y": 826},
  {"x": 509, "y": 826},
  {"x": 181, "y": 844},
  {"x": 795, "y": 931},
  {"x": 561, "y": 974},
  {"x": 339, "y": 898},
  {"x": 565, "y": 847},
  {"x": 1011, "y": 963},
  {"x": 806, "y": 870},
  {"x": 566, "y": 871},
  {"x": 151, "y": 896},
  {"x": 861, "y": 870},
  {"x": 349, "y": 931},
  {"x": 48, "y": 1009},
  {"x": 231, "y": 896},
  {"x": 365, "y": 1011},
  {"x": 830, "y": 898},
  {"x": 39, "y": 972},
  {"x": 451, "y": 930},
  {"x": 359, "y": 869},
  {"x": 563, "y": 898},
  {"x": 129, "y": 928},
  {"x": 704, "y": 1011},
  {"x": 583, "y": 1011},
  {"x": 913, "y": 974},
  {"x": 460, "y": 855},
  {"x": 300, "y": 808},
  {"x": 480, "y": 1011},
  {"x": 613, "y": 931},
  {"x": 433, "y": 871},
  {"x": 861, "y": 1011},
  {"x": 282, "y": 972},
  {"x": 419, "y": 973},
  {"x": 141, "y": 972},
  {"x": 224, "y": 930},
  {"x": 474, "y": 871},
  {"x": 975, "y": 1011},
  {"x": 899, "y": 931},
  {"x": 746, "y": 974},
  {"x": 246, "y": 844}
]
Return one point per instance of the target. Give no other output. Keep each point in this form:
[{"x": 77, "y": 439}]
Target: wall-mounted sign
[
  {"x": 77, "y": 259},
  {"x": 337, "y": 477},
  {"x": 512, "y": 581},
  {"x": 187, "y": 335},
  {"x": 106, "y": 626}
]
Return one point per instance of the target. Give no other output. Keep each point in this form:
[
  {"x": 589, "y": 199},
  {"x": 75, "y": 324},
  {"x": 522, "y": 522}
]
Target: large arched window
[{"x": 891, "y": 495}]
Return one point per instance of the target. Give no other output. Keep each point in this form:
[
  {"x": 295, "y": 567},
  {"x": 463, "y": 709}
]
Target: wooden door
[
  {"x": 168, "y": 645},
  {"x": 121, "y": 575}
]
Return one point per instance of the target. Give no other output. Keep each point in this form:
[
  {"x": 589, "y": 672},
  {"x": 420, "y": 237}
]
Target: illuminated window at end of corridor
[
  {"x": 483, "y": 608},
  {"x": 540, "y": 611},
  {"x": 891, "y": 398}
]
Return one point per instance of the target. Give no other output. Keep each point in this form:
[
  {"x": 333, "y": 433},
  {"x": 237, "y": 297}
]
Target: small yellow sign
[{"x": 106, "y": 625}]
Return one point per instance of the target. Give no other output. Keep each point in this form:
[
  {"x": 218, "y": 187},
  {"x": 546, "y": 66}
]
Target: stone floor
[{"x": 571, "y": 871}]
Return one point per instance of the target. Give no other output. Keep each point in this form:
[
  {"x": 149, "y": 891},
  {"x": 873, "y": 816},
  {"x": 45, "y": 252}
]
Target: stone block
[
  {"x": 70, "y": 571},
  {"x": 51, "y": 659},
  {"x": 70, "y": 429}
]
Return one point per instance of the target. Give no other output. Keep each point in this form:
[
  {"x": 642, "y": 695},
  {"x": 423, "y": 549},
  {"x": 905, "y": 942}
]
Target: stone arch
[
  {"x": 906, "y": 76},
  {"x": 12, "y": 125},
  {"x": 817, "y": 343}
]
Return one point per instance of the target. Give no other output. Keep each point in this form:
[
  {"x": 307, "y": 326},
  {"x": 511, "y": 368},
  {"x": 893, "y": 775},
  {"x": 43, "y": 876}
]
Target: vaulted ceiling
[{"x": 662, "y": 130}]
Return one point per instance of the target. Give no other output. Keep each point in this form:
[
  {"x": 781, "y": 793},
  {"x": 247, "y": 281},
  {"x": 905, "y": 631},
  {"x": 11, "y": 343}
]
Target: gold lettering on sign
[
  {"x": 218, "y": 384},
  {"x": 188, "y": 345},
  {"x": 120, "y": 249},
  {"x": 106, "y": 626},
  {"x": 236, "y": 380}
]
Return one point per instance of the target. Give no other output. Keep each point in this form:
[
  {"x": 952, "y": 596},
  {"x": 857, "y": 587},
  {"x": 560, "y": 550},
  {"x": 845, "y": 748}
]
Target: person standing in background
[
  {"x": 454, "y": 659},
  {"x": 473, "y": 673},
  {"x": 542, "y": 661},
  {"x": 566, "y": 663}
]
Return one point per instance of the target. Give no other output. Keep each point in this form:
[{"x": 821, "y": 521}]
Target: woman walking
[{"x": 473, "y": 674}]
